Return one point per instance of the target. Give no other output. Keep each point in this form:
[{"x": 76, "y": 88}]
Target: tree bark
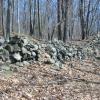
[
  {"x": 34, "y": 17},
  {"x": 2, "y": 10},
  {"x": 18, "y": 18},
  {"x": 8, "y": 22},
  {"x": 66, "y": 21},
  {"x": 12, "y": 16},
  {"x": 82, "y": 21},
  {"x": 39, "y": 26},
  {"x": 58, "y": 19},
  {"x": 30, "y": 10}
]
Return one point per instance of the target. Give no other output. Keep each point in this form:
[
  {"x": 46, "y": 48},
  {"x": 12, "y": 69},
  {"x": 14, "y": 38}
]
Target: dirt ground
[{"x": 77, "y": 80}]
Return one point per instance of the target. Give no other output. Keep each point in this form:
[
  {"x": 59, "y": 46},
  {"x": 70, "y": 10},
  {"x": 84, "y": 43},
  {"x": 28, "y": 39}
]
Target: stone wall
[{"x": 23, "y": 49}]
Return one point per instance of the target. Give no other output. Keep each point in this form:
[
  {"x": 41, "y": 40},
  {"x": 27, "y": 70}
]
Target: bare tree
[
  {"x": 82, "y": 20},
  {"x": 24, "y": 17},
  {"x": 2, "y": 10},
  {"x": 0, "y": 14},
  {"x": 34, "y": 16},
  {"x": 66, "y": 20},
  {"x": 48, "y": 17},
  {"x": 30, "y": 10},
  {"x": 12, "y": 15},
  {"x": 73, "y": 18},
  {"x": 39, "y": 24},
  {"x": 18, "y": 18},
  {"x": 59, "y": 19},
  {"x": 8, "y": 21}
]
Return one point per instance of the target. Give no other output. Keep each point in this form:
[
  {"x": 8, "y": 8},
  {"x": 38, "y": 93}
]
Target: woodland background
[{"x": 49, "y": 19}]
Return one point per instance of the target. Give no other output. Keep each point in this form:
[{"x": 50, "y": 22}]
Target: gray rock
[
  {"x": 49, "y": 61},
  {"x": 57, "y": 66},
  {"x": 9, "y": 48},
  {"x": 70, "y": 55},
  {"x": 70, "y": 49},
  {"x": 26, "y": 63},
  {"x": 1, "y": 50},
  {"x": 60, "y": 57},
  {"x": 97, "y": 52},
  {"x": 33, "y": 54},
  {"x": 16, "y": 48},
  {"x": 88, "y": 51},
  {"x": 33, "y": 47},
  {"x": 17, "y": 56},
  {"x": 5, "y": 67},
  {"x": 14, "y": 68},
  {"x": 20, "y": 64},
  {"x": 98, "y": 58},
  {"x": 25, "y": 51},
  {"x": 4, "y": 55},
  {"x": 52, "y": 61},
  {"x": 2, "y": 40},
  {"x": 51, "y": 48},
  {"x": 25, "y": 40}
]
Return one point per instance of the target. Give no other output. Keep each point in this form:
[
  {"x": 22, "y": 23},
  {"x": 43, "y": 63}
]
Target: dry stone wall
[{"x": 22, "y": 49}]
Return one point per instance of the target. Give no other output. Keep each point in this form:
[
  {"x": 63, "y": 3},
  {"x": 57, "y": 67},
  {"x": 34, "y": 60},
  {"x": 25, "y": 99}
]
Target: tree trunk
[
  {"x": 24, "y": 18},
  {"x": 12, "y": 16},
  {"x": 48, "y": 17},
  {"x": 34, "y": 17},
  {"x": 66, "y": 20},
  {"x": 82, "y": 21},
  {"x": 8, "y": 22},
  {"x": 59, "y": 19},
  {"x": 3, "y": 31},
  {"x": 39, "y": 27},
  {"x": 30, "y": 8},
  {"x": 18, "y": 19}
]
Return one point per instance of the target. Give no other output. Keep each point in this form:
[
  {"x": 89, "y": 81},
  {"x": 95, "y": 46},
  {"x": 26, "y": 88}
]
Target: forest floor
[{"x": 77, "y": 80}]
